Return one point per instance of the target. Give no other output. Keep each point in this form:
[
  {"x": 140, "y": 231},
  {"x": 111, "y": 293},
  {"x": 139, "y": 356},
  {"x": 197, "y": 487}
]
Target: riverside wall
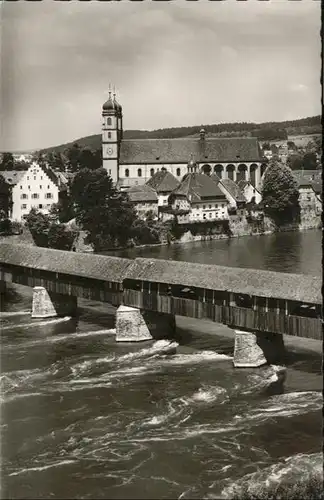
[{"x": 237, "y": 227}]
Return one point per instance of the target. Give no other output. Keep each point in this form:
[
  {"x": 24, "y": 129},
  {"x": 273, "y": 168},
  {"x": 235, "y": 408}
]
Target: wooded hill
[{"x": 263, "y": 131}]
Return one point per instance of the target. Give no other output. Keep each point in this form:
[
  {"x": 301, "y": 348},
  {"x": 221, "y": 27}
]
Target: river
[{"x": 84, "y": 417}]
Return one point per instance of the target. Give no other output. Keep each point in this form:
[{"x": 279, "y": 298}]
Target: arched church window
[
  {"x": 139, "y": 172},
  {"x": 127, "y": 172},
  {"x": 152, "y": 172},
  {"x": 178, "y": 172},
  {"x": 109, "y": 135},
  {"x": 109, "y": 121}
]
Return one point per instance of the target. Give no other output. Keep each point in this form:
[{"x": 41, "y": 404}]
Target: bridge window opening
[
  {"x": 242, "y": 300},
  {"x": 133, "y": 285},
  {"x": 164, "y": 289},
  {"x": 154, "y": 287},
  {"x": 184, "y": 292},
  {"x": 220, "y": 298},
  {"x": 303, "y": 309},
  {"x": 209, "y": 296},
  {"x": 272, "y": 304},
  {"x": 261, "y": 303}
]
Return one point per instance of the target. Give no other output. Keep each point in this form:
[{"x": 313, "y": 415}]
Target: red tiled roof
[
  {"x": 199, "y": 186},
  {"x": 180, "y": 150},
  {"x": 138, "y": 194},
  {"x": 12, "y": 177},
  {"x": 163, "y": 182},
  {"x": 233, "y": 189}
]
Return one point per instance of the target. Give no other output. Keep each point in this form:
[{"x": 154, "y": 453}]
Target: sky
[{"x": 176, "y": 63}]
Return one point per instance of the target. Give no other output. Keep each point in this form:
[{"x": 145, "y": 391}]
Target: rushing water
[{"x": 84, "y": 417}]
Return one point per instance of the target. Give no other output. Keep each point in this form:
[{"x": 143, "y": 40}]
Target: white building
[
  {"x": 200, "y": 197},
  {"x": 37, "y": 187},
  {"x": 250, "y": 192},
  {"x": 132, "y": 162}
]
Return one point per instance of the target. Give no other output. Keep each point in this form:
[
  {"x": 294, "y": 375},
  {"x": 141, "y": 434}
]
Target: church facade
[{"x": 133, "y": 162}]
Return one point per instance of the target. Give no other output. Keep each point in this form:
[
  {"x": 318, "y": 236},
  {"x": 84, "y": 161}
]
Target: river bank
[{"x": 238, "y": 227}]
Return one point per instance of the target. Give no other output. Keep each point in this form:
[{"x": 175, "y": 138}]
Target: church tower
[{"x": 112, "y": 133}]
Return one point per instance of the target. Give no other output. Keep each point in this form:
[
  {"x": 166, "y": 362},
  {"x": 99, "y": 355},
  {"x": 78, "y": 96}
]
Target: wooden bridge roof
[
  {"x": 94, "y": 266},
  {"x": 299, "y": 287}
]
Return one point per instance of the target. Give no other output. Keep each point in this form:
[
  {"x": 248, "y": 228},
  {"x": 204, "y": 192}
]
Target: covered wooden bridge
[{"x": 250, "y": 299}]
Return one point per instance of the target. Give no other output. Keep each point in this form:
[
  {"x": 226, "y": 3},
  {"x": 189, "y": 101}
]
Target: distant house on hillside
[
  {"x": 37, "y": 187},
  {"x": 310, "y": 175}
]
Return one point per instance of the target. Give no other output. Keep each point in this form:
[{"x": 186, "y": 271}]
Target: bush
[
  {"x": 60, "y": 237},
  {"x": 16, "y": 227},
  {"x": 145, "y": 232},
  {"x": 5, "y": 226},
  {"x": 38, "y": 224}
]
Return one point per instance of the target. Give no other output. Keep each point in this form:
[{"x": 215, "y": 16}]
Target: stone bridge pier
[
  {"x": 253, "y": 349},
  {"x": 136, "y": 325},
  {"x": 48, "y": 304}
]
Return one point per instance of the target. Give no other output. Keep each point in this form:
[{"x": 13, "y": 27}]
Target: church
[{"x": 132, "y": 162}]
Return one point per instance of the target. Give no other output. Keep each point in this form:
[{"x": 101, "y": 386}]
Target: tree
[
  {"x": 40, "y": 158},
  {"x": 21, "y": 165},
  {"x": 39, "y": 225},
  {"x": 280, "y": 193},
  {"x": 291, "y": 145},
  {"x": 295, "y": 162},
  {"x": 101, "y": 210},
  {"x": 310, "y": 161},
  {"x": 7, "y": 162},
  {"x": 60, "y": 237},
  {"x": 63, "y": 210},
  {"x": 72, "y": 154},
  {"x": 5, "y": 197},
  {"x": 89, "y": 159},
  {"x": 56, "y": 161}
]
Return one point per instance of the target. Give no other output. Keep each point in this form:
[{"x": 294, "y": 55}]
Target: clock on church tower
[{"x": 111, "y": 136}]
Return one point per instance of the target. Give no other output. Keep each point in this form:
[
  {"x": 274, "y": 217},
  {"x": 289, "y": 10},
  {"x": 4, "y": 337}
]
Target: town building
[
  {"x": 231, "y": 190},
  {"x": 134, "y": 161},
  {"x": 163, "y": 183},
  {"x": 310, "y": 195},
  {"x": 145, "y": 200},
  {"x": 198, "y": 198},
  {"x": 250, "y": 192},
  {"x": 38, "y": 187}
]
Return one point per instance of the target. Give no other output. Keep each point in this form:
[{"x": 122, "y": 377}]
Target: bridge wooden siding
[{"x": 154, "y": 284}]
